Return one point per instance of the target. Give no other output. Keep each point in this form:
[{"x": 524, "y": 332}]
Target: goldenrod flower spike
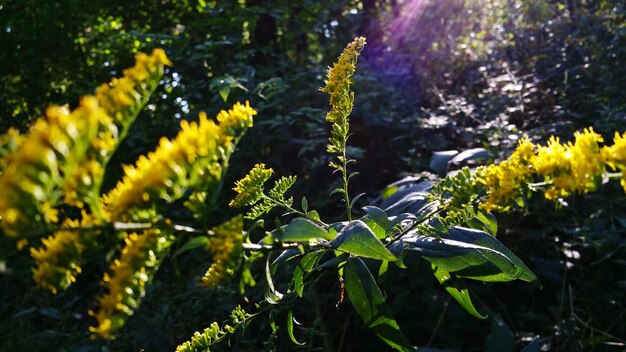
[
  {"x": 341, "y": 101},
  {"x": 503, "y": 180},
  {"x": 563, "y": 169},
  {"x": 60, "y": 258},
  {"x": 250, "y": 188},
  {"x": 225, "y": 248},
  {"x": 341, "y": 98},
  {"x": 127, "y": 280},
  {"x": 64, "y": 154},
  {"x": 188, "y": 161},
  {"x": 615, "y": 156}
]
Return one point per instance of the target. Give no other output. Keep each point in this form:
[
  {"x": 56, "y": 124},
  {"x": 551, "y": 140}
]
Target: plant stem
[
  {"x": 344, "y": 171},
  {"x": 293, "y": 210}
]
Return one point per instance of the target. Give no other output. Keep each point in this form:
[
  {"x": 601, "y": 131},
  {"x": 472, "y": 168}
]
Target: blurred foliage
[{"x": 436, "y": 75}]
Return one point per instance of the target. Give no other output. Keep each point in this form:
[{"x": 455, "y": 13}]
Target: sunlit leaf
[
  {"x": 303, "y": 230},
  {"x": 369, "y": 303},
  {"x": 459, "y": 292},
  {"x": 306, "y": 264},
  {"x": 290, "y": 321},
  {"x": 358, "y": 239},
  {"x": 472, "y": 254}
]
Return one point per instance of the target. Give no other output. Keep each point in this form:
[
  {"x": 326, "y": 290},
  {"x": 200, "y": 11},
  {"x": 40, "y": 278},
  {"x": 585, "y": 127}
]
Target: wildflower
[
  {"x": 127, "y": 280},
  {"x": 250, "y": 188},
  {"x": 64, "y": 154},
  {"x": 570, "y": 168},
  {"x": 615, "y": 156},
  {"x": 341, "y": 98},
  {"x": 191, "y": 159},
  {"x": 225, "y": 248},
  {"x": 60, "y": 258},
  {"x": 502, "y": 181}
]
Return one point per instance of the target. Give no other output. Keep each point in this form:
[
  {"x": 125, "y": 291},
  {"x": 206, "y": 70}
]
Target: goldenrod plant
[
  {"x": 55, "y": 171},
  {"x": 449, "y": 224},
  {"x": 52, "y": 177}
]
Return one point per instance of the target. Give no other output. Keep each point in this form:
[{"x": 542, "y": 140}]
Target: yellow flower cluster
[
  {"x": 565, "y": 169},
  {"x": 119, "y": 98},
  {"x": 225, "y": 248},
  {"x": 119, "y": 101},
  {"x": 570, "y": 168},
  {"x": 615, "y": 156},
  {"x": 59, "y": 260},
  {"x": 250, "y": 188},
  {"x": 341, "y": 98},
  {"x": 127, "y": 282},
  {"x": 502, "y": 181},
  {"x": 191, "y": 158},
  {"x": 64, "y": 154}
]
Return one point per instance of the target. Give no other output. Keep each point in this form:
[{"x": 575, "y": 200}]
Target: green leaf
[
  {"x": 472, "y": 254},
  {"x": 191, "y": 244},
  {"x": 306, "y": 264},
  {"x": 379, "y": 216},
  {"x": 271, "y": 295},
  {"x": 388, "y": 192},
  {"x": 378, "y": 231},
  {"x": 460, "y": 294},
  {"x": 485, "y": 220},
  {"x": 358, "y": 239},
  {"x": 304, "y": 230},
  {"x": 224, "y": 92},
  {"x": 456, "y": 256},
  {"x": 305, "y": 205},
  {"x": 484, "y": 239},
  {"x": 313, "y": 215},
  {"x": 369, "y": 303},
  {"x": 290, "y": 321}
]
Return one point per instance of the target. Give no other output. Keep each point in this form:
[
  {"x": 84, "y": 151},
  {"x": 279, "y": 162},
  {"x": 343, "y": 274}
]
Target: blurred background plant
[{"x": 448, "y": 75}]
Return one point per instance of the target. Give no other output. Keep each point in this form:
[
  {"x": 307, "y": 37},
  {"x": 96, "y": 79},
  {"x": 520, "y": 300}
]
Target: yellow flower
[
  {"x": 191, "y": 159},
  {"x": 60, "y": 258},
  {"x": 65, "y": 152},
  {"x": 127, "y": 280},
  {"x": 225, "y": 248},
  {"x": 566, "y": 169},
  {"x": 570, "y": 168},
  {"x": 503, "y": 181},
  {"x": 341, "y": 98},
  {"x": 250, "y": 188},
  {"x": 615, "y": 155}
]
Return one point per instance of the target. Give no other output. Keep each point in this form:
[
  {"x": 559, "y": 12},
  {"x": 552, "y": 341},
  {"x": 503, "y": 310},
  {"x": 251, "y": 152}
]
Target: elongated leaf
[
  {"x": 378, "y": 231},
  {"x": 304, "y": 230},
  {"x": 485, "y": 220},
  {"x": 271, "y": 295},
  {"x": 358, "y": 239},
  {"x": 472, "y": 254},
  {"x": 370, "y": 305},
  {"x": 458, "y": 292},
  {"x": 313, "y": 215},
  {"x": 455, "y": 256},
  {"x": 378, "y": 216},
  {"x": 194, "y": 243},
  {"x": 290, "y": 328},
  {"x": 484, "y": 239},
  {"x": 305, "y": 265}
]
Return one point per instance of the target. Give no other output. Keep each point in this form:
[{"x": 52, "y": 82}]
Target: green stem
[
  {"x": 293, "y": 210},
  {"x": 344, "y": 171}
]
